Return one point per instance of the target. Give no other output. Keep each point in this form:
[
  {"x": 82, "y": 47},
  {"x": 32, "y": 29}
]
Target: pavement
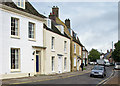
[
  {"x": 39, "y": 78},
  {"x": 115, "y": 80}
]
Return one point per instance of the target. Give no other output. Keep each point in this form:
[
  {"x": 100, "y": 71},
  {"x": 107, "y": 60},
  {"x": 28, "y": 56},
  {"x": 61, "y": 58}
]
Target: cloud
[{"x": 96, "y": 23}]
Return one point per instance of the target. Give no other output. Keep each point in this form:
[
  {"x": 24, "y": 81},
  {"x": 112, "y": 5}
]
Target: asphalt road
[{"x": 80, "y": 79}]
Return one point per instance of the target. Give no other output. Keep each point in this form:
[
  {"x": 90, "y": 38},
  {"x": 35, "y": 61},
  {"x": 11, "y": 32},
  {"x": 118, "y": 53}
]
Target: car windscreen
[
  {"x": 117, "y": 63},
  {"x": 98, "y": 68}
]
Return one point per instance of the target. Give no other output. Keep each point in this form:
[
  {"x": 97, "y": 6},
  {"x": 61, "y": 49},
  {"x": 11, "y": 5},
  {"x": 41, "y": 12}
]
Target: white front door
[
  {"x": 80, "y": 62},
  {"x": 59, "y": 64}
]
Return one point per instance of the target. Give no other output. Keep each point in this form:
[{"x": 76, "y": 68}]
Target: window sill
[
  {"x": 65, "y": 52},
  {"x": 53, "y": 71},
  {"x": 65, "y": 70},
  {"x": 52, "y": 50},
  {"x": 32, "y": 39},
  {"x": 15, "y": 70},
  {"x": 16, "y": 37},
  {"x": 74, "y": 52}
]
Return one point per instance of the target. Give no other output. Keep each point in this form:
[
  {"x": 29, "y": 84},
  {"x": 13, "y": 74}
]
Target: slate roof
[
  {"x": 76, "y": 39},
  {"x": 84, "y": 49},
  {"x": 108, "y": 55},
  {"x": 28, "y": 7},
  {"x": 55, "y": 30}
]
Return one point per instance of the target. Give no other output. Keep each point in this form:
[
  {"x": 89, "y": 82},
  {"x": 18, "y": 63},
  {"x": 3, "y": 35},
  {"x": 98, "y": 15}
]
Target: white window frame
[
  {"x": 17, "y": 55},
  {"x": 65, "y": 63},
  {"x": 15, "y": 27},
  {"x": 84, "y": 54},
  {"x": 74, "y": 48},
  {"x": 53, "y": 63},
  {"x": 32, "y": 29},
  {"x": 53, "y": 43},
  {"x": 20, "y": 3},
  {"x": 65, "y": 46}
]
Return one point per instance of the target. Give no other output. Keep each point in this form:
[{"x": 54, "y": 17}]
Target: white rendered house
[
  {"x": 57, "y": 53},
  {"x": 21, "y": 40}
]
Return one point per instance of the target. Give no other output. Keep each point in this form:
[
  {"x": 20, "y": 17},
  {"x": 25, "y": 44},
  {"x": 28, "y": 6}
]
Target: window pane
[
  {"x": 22, "y": 3},
  {"x": 31, "y": 30},
  {"x": 52, "y": 44},
  {"x": 18, "y": 3},
  {"x": 14, "y": 58},
  {"x": 65, "y": 63},
  {"x": 52, "y": 63},
  {"x": 14, "y": 26}
]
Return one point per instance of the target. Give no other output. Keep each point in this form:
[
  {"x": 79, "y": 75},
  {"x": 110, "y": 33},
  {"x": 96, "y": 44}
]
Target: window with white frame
[
  {"x": 83, "y": 54},
  {"x": 15, "y": 56},
  {"x": 52, "y": 43},
  {"x": 31, "y": 30},
  {"x": 65, "y": 63},
  {"x": 20, "y": 3},
  {"x": 53, "y": 63},
  {"x": 14, "y": 26},
  {"x": 65, "y": 46},
  {"x": 74, "y": 48},
  {"x": 75, "y": 61},
  {"x": 79, "y": 50},
  {"x": 48, "y": 23}
]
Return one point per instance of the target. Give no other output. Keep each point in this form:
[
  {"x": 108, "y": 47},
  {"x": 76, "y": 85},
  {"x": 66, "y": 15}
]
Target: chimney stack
[
  {"x": 55, "y": 11},
  {"x": 67, "y": 23},
  {"x": 51, "y": 16}
]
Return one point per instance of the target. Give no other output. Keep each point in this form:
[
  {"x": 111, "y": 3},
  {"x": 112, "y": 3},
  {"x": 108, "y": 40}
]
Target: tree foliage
[
  {"x": 94, "y": 55},
  {"x": 116, "y": 52}
]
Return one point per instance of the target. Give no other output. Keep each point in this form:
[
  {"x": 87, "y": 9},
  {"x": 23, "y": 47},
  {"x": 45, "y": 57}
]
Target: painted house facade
[
  {"x": 22, "y": 40},
  {"x": 75, "y": 45},
  {"x": 85, "y": 56},
  {"x": 57, "y": 53}
]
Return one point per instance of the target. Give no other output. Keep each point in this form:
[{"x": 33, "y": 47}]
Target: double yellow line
[{"x": 105, "y": 80}]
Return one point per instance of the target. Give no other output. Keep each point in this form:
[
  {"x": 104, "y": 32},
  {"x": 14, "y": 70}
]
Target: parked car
[
  {"x": 92, "y": 63},
  {"x": 98, "y": 70},
  {"x": 112, "y": 64},
  {"x": 107, "y": 64},
  {"x": 117, "y": 65},
  {"x": 100, "y": 61}
]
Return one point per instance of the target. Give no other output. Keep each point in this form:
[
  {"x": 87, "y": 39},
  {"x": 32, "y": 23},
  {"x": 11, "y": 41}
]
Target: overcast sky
[{"x": 96, "y": 23}]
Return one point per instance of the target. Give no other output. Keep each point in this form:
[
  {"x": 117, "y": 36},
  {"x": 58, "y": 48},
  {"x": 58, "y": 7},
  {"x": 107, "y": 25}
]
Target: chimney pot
[
  {"x": 55, "y": 11},
  {"x": 67, "y": 23}
]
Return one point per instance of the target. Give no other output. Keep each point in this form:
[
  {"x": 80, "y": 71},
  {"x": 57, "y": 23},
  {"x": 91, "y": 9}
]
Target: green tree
[
  {"x": 94, "y": 55},
  {"x": 116, "y": 52}
]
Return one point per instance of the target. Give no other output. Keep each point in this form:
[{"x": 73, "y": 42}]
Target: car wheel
[
  {"x": 91, "y": 75},
  {"x": 102, "y": 76}
]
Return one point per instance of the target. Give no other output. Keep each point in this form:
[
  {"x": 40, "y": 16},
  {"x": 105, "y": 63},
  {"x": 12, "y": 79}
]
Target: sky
[{"x": 96, "y": 23}]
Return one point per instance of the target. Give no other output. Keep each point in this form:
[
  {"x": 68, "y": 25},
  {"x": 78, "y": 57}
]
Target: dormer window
[
  {"x": 60, "y": 28},
  {"x": 20, "y": 3},
  {"x": 48, "y": 23}
]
